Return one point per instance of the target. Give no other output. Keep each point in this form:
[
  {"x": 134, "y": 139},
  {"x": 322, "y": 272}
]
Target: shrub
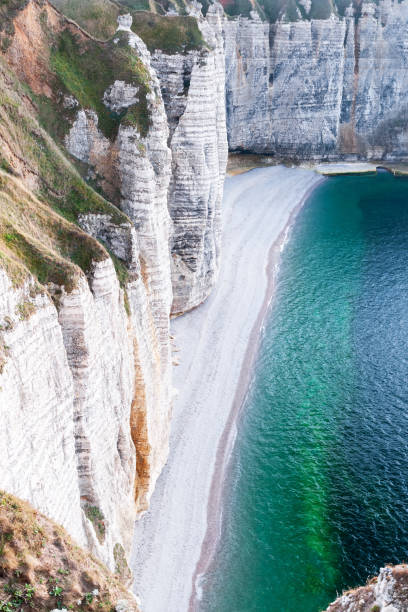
[
  {"x": 97, "y": 519},
  {"x": 171, "y": 34}
]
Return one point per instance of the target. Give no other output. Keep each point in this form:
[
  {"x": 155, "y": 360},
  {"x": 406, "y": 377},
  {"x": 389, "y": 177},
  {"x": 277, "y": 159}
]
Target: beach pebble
[{"x": 122, "y": 606}]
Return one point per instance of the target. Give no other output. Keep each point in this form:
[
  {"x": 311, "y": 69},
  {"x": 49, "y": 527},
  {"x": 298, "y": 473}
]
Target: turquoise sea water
[{"x": 317, "y": 493}]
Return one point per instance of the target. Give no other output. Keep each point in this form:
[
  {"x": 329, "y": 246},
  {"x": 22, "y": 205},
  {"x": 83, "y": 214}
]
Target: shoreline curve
[
  {"x": 227, "y": 440},
  {"x": 172, "y": 541}
]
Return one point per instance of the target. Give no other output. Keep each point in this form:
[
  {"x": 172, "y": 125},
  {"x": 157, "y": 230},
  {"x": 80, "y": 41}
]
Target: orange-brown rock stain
[
  {"x": 29, "y": 51},
  {"x": 139, "y": 434}
]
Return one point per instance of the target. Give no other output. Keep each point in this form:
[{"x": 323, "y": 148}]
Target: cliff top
[
  {"x": 291, "y": 10},
  {"x": 41, "y": 568},
  {"x": 168, "y": 33}
]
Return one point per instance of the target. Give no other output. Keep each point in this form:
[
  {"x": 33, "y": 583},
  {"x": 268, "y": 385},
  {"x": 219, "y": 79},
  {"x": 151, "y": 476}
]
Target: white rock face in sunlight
[{"x": 193, "y": 86}]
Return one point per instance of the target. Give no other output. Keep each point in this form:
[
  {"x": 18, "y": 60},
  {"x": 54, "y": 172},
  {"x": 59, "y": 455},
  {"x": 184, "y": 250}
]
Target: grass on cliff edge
[
  {"x": 27, "y": 150},
  {"x": 85, "y": 69},
  {"x": 72, "y": 63},
  {"x": 98, "y": 17},
  {"x": 8, "y": 10},
  {"x": 41, "y": 568},
  {"x": 37, "y": 231},
  {"x": 288, "y": 10},
  {"x": 171, "y": 34},
  {"x": 35, "y": 239}
]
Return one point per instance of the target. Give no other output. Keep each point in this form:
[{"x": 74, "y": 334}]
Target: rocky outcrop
[
  {"x": 54, "y": 573},
  {"x": 386, "y": 593},
  {"x": 141, "y": 167},
  {"x": 66, "y": 391},
  {"x": 320, "y": 88},
  {"x": 192, "y": 85}
]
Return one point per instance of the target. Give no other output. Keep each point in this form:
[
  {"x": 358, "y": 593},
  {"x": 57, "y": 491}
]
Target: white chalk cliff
[
  {"x": 193, "y": 86},
  {"x": 387, "y": 592},
  {"x": 330, "y": 88}
]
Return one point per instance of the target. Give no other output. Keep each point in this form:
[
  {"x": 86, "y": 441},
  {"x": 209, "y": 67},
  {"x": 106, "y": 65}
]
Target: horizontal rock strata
[
  {"x": 193, "y": 92},
  {"x": 320, "y": 88}
]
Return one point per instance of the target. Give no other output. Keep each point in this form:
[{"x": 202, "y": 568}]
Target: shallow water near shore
[{"x": 316, "y": 498}]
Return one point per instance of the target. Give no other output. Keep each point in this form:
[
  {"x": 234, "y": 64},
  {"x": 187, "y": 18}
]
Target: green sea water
[{"x": 317, "y": 492}]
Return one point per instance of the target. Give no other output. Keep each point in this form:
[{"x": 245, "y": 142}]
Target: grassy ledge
[
  {"x": 36, "y": 239},
  {"x": 43, "y": 569},
  {"x": 85, "y": 69},
  {"x": 170, "y": 34}
]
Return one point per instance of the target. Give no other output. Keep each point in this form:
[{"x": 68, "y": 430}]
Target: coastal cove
[
  {"x": 203, "y": 305},
  {"x": 316, "y": 497}
]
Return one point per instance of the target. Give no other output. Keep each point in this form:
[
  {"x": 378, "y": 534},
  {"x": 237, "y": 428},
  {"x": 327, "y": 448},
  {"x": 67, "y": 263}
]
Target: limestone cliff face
[
  {"x": 99, "y": 351},
  {"x": 376, "y": 111},
  {"x": 327, "y": 88},
  {"x": 85, "y": 376},
  {"x": 193, "y": 92},
  {"x": 247, "y": 69},
  {"x": 66, "y": 391},
  {"x": 140, "y": 166},
  {"x": 385, "y": 593},
  {"x": 37, "y": 407}
]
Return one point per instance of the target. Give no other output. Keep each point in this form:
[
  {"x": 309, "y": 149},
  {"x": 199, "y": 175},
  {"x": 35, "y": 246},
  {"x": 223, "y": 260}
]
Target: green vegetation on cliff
[
  {"x": 171, "y": 34},
  {"x": 8, "y": 10},
  {"x": 37, "y": 230},
  {"x": 174, "y": 34},
  {"x": 43, "y": 569},
  {"x": 27, "y": 150},
  {"x": 141, "y": 5},
  {"x": 32, "y": 235},
  {"x": 289, "y": 10},
  {"x": 85, "y": 69},
  {"x": 294, "y": 10},
  {"x": 96, "y": 16},
  {"x": 68, "y": 62}
]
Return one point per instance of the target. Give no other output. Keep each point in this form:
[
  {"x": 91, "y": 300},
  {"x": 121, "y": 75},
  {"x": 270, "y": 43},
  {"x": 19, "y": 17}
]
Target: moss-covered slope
[
  {"x": 35, "y": 239},
  {"x": 67, "y": 63},
  {"x": 41, "y": 197},
  {"x": 171, "y": 34},
  {"x": 42, "y": 569},
  {"x": 98, "y": 17}
]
